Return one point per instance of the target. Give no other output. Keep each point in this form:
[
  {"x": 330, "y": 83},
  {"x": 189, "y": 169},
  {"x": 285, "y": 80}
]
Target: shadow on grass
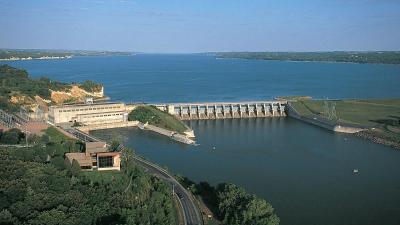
[
  {"x": 391, "y": 122},
  {"x": 311, "y": 110}
]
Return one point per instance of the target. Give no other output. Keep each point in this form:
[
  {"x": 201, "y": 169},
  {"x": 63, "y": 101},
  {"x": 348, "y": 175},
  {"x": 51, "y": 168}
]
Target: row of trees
[{"x": 38, "y": 186}]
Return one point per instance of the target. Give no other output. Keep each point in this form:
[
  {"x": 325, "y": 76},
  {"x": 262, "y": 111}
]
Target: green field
[
  {"x": 381, "y": 116},
  {"x": 156, "y": 117},
  {"x": 372, "y": 113}
]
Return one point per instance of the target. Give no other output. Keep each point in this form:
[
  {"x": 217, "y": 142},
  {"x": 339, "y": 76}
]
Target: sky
[{"x": 186, "y": 26}]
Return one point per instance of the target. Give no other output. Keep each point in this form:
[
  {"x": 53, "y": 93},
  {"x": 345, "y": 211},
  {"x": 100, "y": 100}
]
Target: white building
[{"x": 96, "y": 113}]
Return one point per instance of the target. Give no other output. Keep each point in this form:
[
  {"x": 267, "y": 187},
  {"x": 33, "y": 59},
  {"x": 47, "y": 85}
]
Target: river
[{"x": 304, "y": 171}]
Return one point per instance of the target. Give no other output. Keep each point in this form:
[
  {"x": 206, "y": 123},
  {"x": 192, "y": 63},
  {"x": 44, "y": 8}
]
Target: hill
[{"x": 19, "y": 89}]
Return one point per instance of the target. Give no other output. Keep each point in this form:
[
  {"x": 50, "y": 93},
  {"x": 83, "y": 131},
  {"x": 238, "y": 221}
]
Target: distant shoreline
[
  {"x": 390, "y": 58},
  {"x": 40, "y": 58}
]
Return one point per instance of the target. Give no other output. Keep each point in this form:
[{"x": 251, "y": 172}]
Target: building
[
  {"x": 90, "y": 113},
  {"x": 97, "y": 157}
]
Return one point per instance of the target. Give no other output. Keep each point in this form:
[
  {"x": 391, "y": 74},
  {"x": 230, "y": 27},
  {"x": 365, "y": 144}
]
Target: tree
[
  {"x": 114, "y": 146},
  {"x": 75, "y": 168},
  {"x": 12, "y": 136},
  {"x": 238, "y": 207},
  {"x": 58, "y": 162}
]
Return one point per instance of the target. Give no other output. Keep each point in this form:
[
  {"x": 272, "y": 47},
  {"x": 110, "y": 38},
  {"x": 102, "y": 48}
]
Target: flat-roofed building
[
  {"x": 96, "y": 113},
  {"x": 97, "y": 157}
]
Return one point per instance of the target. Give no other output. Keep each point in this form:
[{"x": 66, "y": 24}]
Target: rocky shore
[{"x": 379, "y": 140}]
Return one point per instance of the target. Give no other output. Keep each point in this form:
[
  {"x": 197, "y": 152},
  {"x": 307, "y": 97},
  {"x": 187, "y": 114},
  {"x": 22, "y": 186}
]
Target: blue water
[
  {"x": 304, "y": 171},
  {"x": 186, "y": 78}
]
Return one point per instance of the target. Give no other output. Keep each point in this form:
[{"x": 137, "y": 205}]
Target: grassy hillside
[
  {"x": 381, "y": 116},
  {"x": 158, "y": 118},
  {"x": 374, "y": 113}
]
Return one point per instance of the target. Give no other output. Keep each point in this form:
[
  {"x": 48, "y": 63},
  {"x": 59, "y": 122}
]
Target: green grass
[
  {"x": 372, "y": 113},
  {"x": 56, "y": 136},
  {"x": 381, "y": 116},
  {"x": 158, "y": 118}
]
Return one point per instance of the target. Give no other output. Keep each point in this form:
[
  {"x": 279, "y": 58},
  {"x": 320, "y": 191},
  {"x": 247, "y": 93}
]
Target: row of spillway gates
[{"x": 223, "y": 110}]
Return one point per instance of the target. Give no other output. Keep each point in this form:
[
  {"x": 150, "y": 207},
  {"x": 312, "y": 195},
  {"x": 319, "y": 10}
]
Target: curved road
[
  {"x": 191, "y": 214},
  {"x": 190, "y": 211}
]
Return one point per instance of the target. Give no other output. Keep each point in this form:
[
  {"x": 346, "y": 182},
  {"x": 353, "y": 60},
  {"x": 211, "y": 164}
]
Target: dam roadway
[
  {"x": 191, "y": 213},
  {"x": 224, "y": 110}
]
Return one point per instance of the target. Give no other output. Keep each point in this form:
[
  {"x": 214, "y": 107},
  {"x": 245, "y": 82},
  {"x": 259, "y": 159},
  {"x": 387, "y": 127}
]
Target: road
[
  {"x": 190, "y": 211},
  {"x": 81, "y": 136},
  {"x": 191, "y": 214}
]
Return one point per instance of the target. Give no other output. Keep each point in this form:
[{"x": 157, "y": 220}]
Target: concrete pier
[{"x": 224, "y": 110}]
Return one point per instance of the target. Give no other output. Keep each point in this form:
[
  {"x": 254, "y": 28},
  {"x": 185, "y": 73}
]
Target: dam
[{"x": 225, "y": 110}]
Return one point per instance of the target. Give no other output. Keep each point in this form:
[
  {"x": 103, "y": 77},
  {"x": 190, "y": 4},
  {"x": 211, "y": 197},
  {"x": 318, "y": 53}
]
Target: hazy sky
[{"x": 201, "y": 25}]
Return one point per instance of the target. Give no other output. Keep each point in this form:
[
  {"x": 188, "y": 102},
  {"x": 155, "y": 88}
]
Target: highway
[{"x": 191, "y": 214}]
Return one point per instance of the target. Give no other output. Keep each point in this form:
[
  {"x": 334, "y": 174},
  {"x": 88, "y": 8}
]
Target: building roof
[
  {"x": 80, "y": 105},
  {"x": 81, "y": 158},
  {"x": 108, "y": 154},
  {"x": 96, "y": 147},
  {"x": 96, "y": 144}
]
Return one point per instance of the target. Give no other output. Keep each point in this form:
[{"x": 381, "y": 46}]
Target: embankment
[
  {"x": 172, "y": 134},
  {"x": 103, "y": 126},
  {"x": 322, "y": 123},
  {"x": 376, "y": 139}
]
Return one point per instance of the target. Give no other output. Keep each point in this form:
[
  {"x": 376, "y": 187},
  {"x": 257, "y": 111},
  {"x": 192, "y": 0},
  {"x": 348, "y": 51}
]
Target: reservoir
[{"x": 304, "y": 171}]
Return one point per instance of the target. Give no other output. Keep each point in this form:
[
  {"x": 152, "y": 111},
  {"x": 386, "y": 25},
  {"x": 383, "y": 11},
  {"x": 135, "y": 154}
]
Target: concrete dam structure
[{"x": 225, "y": 110}]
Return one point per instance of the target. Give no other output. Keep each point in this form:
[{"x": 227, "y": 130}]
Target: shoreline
[
  {"x": 309, "y": 61},
  {"x": 378, "y": 140},
  {"x": 358, "y": 131},
  {"x": 40, "y": 58}
]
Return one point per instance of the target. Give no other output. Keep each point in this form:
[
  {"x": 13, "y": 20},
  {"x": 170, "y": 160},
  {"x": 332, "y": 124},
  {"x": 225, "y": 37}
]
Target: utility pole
[{"x": 26, "y": 135}]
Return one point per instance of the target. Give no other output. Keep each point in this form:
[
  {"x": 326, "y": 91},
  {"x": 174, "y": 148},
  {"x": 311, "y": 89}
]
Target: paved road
[
  {"x": 191, "y": 213},
  {"x": 81, "y": 136}
]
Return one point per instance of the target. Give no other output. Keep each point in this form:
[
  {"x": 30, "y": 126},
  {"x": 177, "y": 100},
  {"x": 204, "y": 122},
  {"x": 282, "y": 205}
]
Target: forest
[
  {"x": 37, "y": 186},
  {"x": 231, "y": 204}
]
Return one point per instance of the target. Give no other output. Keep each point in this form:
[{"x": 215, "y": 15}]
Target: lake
[
  {"x": 304, "y": 171},
  {"x": 186, "y": 78}
]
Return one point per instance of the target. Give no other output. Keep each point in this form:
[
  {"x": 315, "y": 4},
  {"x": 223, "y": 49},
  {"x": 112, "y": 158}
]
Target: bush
[
  {"x": 12, "y": 136},
  {"x": 90, "y": 86}
]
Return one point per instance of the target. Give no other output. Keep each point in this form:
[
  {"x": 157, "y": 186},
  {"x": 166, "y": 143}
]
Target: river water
[{"x": 304, "y": 171}]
